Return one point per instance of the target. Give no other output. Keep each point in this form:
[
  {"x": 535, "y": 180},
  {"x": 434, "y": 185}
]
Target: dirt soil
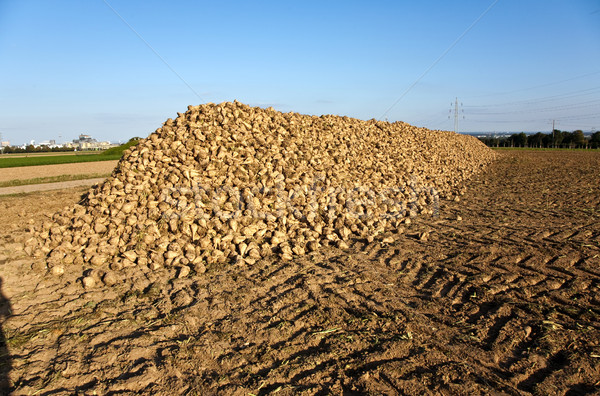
[
  {"x": 498, "y": 293},
  {"x": 31, "y": 172}
]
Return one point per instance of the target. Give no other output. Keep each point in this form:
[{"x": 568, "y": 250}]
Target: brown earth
[
  {"x": 81, "y": 168},
  {"x": 495, "y": 294}
]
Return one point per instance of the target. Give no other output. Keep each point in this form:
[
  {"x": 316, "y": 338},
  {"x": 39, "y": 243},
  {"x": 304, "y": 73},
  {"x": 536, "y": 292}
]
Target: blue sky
[{"x": 71, "y": 67}]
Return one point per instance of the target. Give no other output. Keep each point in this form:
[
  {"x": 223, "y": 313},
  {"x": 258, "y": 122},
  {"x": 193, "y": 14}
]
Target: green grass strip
[
  {"x": 120, "y": 149},
  {"x": 51, "y": 179},
  {"x": 53, "y": 160}
]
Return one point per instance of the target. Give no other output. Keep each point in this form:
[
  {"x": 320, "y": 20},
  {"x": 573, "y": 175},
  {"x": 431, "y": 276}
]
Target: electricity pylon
[{"x": 457, "y": 112}]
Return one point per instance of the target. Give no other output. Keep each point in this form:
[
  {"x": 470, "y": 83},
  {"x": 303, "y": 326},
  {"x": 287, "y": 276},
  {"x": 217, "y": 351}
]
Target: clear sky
[{"x": 74, "y": 66}]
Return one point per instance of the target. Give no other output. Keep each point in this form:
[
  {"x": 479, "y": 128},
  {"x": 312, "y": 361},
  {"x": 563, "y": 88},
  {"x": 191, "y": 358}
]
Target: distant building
[
  {"x": 49, "y": 143},
  {"x": 86, "y": 142},
  {"x": 5, "y": 143}
]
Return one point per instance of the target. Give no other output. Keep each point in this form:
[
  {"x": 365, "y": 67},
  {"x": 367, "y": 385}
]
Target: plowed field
[{"x": 498, "y": 293}]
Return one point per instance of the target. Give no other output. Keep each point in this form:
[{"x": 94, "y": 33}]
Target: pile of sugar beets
[{"x": 225, "y": 183}]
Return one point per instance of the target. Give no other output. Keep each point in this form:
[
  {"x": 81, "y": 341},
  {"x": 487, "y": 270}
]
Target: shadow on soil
[{"x": 5, "y": 361}]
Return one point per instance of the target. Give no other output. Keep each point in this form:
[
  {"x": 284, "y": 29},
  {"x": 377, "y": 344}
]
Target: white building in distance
[{"x": 86, "y": 142}]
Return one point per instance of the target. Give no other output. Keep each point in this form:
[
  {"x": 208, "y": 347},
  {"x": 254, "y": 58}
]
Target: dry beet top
[{"x": 229, "y": 182}]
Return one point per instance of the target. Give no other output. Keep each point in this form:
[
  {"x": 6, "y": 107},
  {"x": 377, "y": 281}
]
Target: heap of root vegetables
[{"x": 234, "y": 183}]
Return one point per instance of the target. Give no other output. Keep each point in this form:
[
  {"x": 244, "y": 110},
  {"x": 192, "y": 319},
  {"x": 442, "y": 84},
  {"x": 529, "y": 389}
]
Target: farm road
[{"x": 49, "y": 186}]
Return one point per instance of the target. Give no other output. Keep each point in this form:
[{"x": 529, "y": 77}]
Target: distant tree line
[
  {"x": 558, "y": 139},
  {"x": 30, "y": 148}
]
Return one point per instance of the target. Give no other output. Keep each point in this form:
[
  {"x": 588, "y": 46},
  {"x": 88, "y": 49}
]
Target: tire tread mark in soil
[
  {"x": 580, "y": 266},
  {"x": 483, "y": 310},
  {"x": 495, "y": 330},
  {"x": 520, "y": 352},
  {"x": 445, "y": 288},
  {"x": 555, "y": 363}
]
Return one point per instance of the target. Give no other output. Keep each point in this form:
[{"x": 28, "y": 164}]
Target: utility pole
[{"x": 554, "y": 133}]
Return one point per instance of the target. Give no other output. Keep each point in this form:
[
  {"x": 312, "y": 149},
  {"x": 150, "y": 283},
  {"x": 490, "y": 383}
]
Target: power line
[
  {"x": 569, "y": 95},
  {"x": 439, "y": 59},
  {"x": 538, "y": 120},
  {"x": 153, "y": 50},
  {"x": 538, "y": 86},
  {"x": 531, "y": 105},
  {"x": 581, "y": 117},
  {"x": 582, "y": 105}
]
